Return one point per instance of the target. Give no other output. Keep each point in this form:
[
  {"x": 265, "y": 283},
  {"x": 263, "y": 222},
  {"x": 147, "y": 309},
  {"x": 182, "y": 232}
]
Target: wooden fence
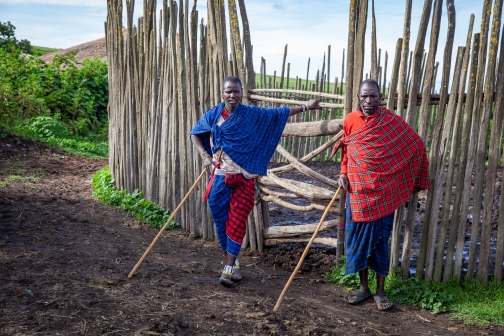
[
  {"x": 162, "y": 80},
  {"x": 455, "y": 125}
]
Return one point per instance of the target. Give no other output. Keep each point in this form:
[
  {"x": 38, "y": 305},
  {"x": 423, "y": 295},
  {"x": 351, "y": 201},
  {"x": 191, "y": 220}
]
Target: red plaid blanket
[{"x": 387, "y": 162}]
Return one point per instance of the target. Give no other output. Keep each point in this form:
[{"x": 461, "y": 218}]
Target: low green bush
[
  {"x": 413, "y": 291},
  {"x": 134, "y": 204},
  {"x": 52, "y": 132},
  {"x": 468, "y": 300}
]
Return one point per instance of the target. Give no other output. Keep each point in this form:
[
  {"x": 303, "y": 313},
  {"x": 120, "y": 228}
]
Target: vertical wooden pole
[
  {"x": 413, "y": 91},
  {"x": 493, "y": 162},
  {"x": 249, "y": 64},
  {"x": 437, "y": 153},
  {"x": 395, "y": 76},
  {"x": 455, "y": 153},
  {"x": 360, "y": 39},
  {"x": 423, "y": 129},
  {"x": 342, "y": 74},
  {"x": 283, "y": 67},
  {"x": 403, "y": 83},
  {"x": 467, "y": 149},
  {"x": 481, "y": 129},
  {"x": 384, "y": 85},
  {"x": 479, "y": 176},
  {"x": 328, "y": 67},
  {"x": 349, "y": 92},
  {"x": 374, "y": 57},
  {"x": 447, "y": 134}
]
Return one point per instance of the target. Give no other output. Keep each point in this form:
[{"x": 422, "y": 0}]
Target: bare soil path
[{"x": 64, "y": 261}]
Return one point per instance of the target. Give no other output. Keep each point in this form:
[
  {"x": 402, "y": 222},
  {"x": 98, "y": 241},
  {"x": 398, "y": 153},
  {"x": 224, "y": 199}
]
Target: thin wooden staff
[
  {"x": 306, "y": 251},
  {"x": 164, "y": 226}
]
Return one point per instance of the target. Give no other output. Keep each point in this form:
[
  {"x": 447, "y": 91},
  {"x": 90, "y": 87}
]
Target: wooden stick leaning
[
  {"x": 306, "y": 251},
  {"x": 164, "y": 226}
]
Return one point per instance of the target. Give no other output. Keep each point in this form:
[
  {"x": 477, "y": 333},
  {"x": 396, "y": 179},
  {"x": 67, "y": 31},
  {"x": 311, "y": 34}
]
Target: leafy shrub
[
  {"x": 54, "y": 133},
  {"x": 337, "y": 275},
  {"x": 43, "y": 127},
  {"x": 134, "y": 204},
  {"x": 30, "y": 88},
  {"x": 423, "y": 294},
  {"x": 412, "y": 291}
]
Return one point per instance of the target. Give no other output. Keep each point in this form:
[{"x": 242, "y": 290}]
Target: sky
[{"x": 307, "y": 27}]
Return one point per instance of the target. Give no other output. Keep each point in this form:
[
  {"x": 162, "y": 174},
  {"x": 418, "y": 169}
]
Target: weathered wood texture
[
  {"x": 162, "y": 78},
  {"x": 157, "y": 74}
]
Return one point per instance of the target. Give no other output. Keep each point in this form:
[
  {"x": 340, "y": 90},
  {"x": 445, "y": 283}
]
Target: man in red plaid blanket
[{"x": 384, "y": 162}]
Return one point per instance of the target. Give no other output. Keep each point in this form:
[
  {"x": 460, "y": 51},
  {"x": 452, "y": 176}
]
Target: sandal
[
  {"x": 236, "y": 273},
  {"x": 358, "y": 296},
  {"x": 225, "y": 278},
  {"x": 380, "y": 299}
]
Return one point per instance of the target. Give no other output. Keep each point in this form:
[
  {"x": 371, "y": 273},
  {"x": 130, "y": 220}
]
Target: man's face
[
  {"x": 369, "y": 98},
  {"x": 232, "y": 94}
]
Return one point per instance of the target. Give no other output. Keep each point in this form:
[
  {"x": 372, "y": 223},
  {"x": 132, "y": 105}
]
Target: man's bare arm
[
  {"x": 198, "y": 144},
  {"x": 313, "y": 104}
]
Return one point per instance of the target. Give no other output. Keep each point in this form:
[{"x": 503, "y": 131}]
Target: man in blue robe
[{"x": 241, "y": 140}]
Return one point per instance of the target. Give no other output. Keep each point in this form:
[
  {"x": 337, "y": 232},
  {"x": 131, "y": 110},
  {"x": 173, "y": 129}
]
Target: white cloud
[
  {"x": 82, "y": 3},
  {"x": 308, "y": 27}
]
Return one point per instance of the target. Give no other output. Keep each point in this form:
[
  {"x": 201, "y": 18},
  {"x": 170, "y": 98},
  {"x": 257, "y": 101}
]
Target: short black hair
[
  {"x": 232, "y": 79},
  {"x": 369, "y": 81}
]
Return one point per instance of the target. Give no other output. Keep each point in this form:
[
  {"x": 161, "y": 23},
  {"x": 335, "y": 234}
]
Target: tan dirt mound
[{"x": 82, "y": 51}]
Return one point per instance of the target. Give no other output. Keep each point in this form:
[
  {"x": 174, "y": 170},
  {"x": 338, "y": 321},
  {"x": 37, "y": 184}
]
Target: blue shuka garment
[
  {"x": 249, "y": 136},
  {"x": 367, "y": 243}
]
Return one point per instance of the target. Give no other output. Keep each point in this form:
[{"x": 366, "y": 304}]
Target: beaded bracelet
[{"x": 204, "y": 155}]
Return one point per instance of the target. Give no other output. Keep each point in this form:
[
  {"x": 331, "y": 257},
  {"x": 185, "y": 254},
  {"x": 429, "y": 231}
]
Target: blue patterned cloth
[
  {"x": 218, "y": 200},
  {"x": 367, "y": 243},
  {"x": 249, "y": 136}
]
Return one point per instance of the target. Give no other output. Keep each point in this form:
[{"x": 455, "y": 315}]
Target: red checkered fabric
[
  {"x": 240, "y": 205},
  {"x": 225, "y": 114},
  {"x": 386, "y": 162}
]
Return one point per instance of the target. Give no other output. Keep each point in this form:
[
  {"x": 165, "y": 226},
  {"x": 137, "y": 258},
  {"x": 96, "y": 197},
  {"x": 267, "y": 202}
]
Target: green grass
[
  {"x": 43, "y": 50},
  {"x": 26, "y": 179},
  {"x": 16, "y": 170},
  {"x": 469, "y": 301},
  {"x": 292, "y": 83},
  {"x": 23, "y": 178},
  {"x": 142, "y": 209}
]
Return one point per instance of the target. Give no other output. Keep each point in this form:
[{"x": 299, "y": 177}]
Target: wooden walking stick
[
  {"x": 305, "y": 251},
  {"x": 164, "y": 226}
]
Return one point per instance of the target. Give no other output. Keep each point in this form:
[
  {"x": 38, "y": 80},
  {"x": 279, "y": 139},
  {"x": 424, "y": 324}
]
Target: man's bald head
[
  {"x": 232, "y": 79},
  {"x": 369, "y": 81}
]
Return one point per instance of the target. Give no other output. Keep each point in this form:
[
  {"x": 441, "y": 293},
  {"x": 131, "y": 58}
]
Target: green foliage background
[
  {"x": 76, "y": 96},
  {"x": 8, "y": 39},
  {"x": 63, "y": 103},
  {"x": 468, "y": 300}
]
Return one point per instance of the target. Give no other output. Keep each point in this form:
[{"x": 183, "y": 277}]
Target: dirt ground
[{"x": 64, "y": 261}]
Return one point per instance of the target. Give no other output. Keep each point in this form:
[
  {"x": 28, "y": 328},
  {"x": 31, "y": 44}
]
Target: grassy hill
[
  {"x": 43, "y": 50},
  {"x": 292, "y": 83}
]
